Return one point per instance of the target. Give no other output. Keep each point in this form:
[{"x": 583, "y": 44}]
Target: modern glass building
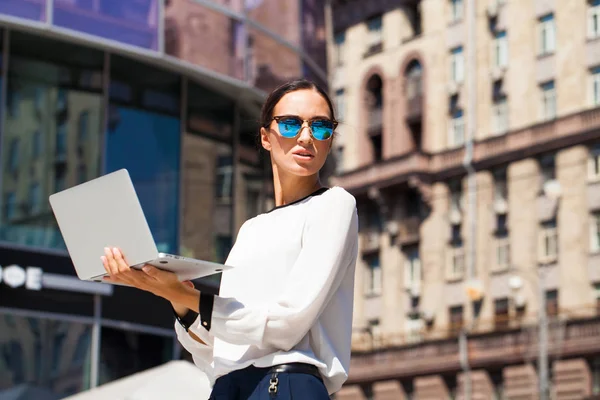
[{"x": 170, "y": 90}]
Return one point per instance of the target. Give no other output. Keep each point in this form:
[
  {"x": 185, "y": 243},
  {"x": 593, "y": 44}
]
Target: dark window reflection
[
  {"x": 147, "y": 144},
  {"x": 44, "y": 147},
  {"x": 43, "y": 358},
  {"x": 124, "y": 353}
]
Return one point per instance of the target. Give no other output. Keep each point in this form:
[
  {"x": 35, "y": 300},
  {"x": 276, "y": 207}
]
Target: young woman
[{"x": 280, "y": 327}]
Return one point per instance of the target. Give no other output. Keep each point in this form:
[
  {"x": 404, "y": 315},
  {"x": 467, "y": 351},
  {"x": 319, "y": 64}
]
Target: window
[
  {"x": 340, "y": 41},
  {"x": 10, "y": 206},
  {"x": 456, "y": 319},
  {"x": 502, "y": 253},
  {"x": 594, "y": 163},
  {"x": 456, "y": 135},
  {"x": 223, "y": 178},
  {"x": 61, "y": 140},
  {"x": 373, "y": 281},
  {"x": 84, "y": 118},
  {"x": 412, "y": 269},
  {"x": 37, "y": 144},
  {"x": 340, "y": 104},
  {"x": 547, "y": 35},
  {"x": 223, "y": 244},
  {"x": 456, "y": 258},
  {"x": 500, "y": 185},
  {"x": 81, "y": 173},
  {"x": 595, "y": 86},
  {"x": 501, "y": 316},
  {"x": 35, "y": 198},
  {"x": 552, "y": 303},
  {"x": 548, "y": 101},
  {"x": 500, "y": 55},
  {"x": 456, "y": 10},
  {"x": 594, "y": 19},
  {"x": 13, "y": 155},
  {"x": 547, "y": 169},
  {"x": 548, "y": 242},
  {"x": 595, "y": 232},
  {"x": 375, "y": 39},
  {"x": 457, "y": 65},
  {"x": 60, "y": 181},
  {"x": 500, "y": 115},
  {"x": 456, "y": 196}
]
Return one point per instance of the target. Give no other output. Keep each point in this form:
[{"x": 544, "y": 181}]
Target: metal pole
[
  {"x": 464, "y": 363},
  {"x": 543, "y": 337},
  {"x": 471, "y": 80},
  {"x": 95, "y": 358}
]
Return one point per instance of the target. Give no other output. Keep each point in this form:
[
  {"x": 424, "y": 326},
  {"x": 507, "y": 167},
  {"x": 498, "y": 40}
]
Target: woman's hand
[{"x": 151, "y": 279}]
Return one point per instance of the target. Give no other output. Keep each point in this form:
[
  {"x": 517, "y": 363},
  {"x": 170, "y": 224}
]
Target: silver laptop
[{"x": 106, "y": 212}]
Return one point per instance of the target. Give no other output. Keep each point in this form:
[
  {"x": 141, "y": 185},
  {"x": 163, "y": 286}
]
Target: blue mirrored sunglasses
[{"x": 290, "y": 126}]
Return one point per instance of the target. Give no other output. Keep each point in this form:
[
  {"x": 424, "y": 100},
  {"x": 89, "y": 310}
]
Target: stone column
[
  {"x": 523, "y": 191},
  {"x": 350, "y": 392},
  {"x": 573, "y": 229},
  {"x": 520, "y": 383},
  {"x": 572, "y": 379},
  {"x": 431, "y": 387},
  {"x": 481, "y": 386},
  {"x": 434, "y": 241},
  {"x": 388, "y": 390}
]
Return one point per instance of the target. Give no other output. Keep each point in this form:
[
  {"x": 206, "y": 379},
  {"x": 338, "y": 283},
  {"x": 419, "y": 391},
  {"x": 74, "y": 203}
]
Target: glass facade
[
  {"x": 70, "y": 113},
  {"x": 262, "y": 42},
  {"x": 43, "y": 358}
]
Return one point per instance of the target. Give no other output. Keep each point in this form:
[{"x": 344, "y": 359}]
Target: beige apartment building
[{"x": 471, "y": 140}]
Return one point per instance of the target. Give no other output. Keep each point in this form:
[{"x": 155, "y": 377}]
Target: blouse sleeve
[
  {"x": 201, "y": 353},
  {"x": 329, "y": 246}
]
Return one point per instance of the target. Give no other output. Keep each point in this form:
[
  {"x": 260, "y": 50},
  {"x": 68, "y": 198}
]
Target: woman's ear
[{"x": 264, "y": 139}]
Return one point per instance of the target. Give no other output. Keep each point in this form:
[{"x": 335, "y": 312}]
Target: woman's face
[{"x": 302, "y": 155}]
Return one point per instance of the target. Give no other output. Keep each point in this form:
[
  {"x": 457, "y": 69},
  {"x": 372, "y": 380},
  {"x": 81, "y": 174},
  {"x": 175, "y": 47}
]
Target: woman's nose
[{"x": 305, "y": 135}]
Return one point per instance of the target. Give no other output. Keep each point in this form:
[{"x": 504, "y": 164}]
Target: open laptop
[{"x": 106, "y": 212}]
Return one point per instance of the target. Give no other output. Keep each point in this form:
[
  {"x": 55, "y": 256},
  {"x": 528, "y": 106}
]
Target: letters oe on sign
[{"x": 16, "y": 276}]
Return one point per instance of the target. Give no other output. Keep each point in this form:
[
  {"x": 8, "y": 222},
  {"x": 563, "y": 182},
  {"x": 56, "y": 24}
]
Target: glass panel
[
  {"x": 29, "y": 9},
  {"x": 207, "y": 175},
  {"x": 42, "y": 146},
  {"x": 143, "y": 118},
  {"x": 133, "y": 22},
  {"x": 205, "y": 37},
  {"x": 124, "y": 353},
  {"x": 43, "y": 358},
  {"x": 270, "y": 64}
]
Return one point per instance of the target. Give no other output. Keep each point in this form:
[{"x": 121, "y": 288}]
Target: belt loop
[{"x": 273, "y": 382}]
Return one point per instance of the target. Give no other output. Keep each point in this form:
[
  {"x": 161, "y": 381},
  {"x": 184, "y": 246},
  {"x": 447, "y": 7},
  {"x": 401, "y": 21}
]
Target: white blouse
[{"x": 289, "y": 297}]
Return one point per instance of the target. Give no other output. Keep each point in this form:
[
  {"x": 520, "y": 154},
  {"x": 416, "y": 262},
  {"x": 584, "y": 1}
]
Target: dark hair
[{"x": 266, "y": 114}]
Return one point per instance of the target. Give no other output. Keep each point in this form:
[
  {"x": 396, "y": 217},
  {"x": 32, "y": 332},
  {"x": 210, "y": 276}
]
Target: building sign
[{"x": 16, "y": 276}]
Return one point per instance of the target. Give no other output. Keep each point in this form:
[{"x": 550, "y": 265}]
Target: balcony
[
  {"x": 397, "y": 355},
  {"x": 414, "y": 108},
  {"x": 408, "y": 230},
  {"x": 375, "y": 124},
  {"x": 536, "y": 139}
]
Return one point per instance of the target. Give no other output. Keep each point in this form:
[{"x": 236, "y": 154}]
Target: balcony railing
[
  {"x": 375, "y": 119},
  {"x": 414, "y": 108},
  {"x": 430, "y": 350}
]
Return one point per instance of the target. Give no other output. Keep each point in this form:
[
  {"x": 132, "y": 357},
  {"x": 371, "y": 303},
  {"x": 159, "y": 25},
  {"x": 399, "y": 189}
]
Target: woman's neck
[{"x": 289, "y": 188}]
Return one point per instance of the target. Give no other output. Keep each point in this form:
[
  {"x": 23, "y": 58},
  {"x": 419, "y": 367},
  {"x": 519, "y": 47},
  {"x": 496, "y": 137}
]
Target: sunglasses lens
[
  {"x": 289, "y": 127},
  {"x": 322, "y": 129}
]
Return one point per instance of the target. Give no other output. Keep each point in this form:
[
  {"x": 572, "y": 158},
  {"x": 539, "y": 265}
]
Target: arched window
[
  {"x": 374, "y": 105},
  {"x": 414, "y": 80}
]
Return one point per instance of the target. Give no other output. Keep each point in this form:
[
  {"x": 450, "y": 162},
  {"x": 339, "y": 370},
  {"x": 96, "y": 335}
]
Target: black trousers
[{"x": 258, "y": 384}]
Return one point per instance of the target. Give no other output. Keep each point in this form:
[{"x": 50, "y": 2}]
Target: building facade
[
  {"x": 470, "y": 137},
  {"x": 157, "y": 87}
]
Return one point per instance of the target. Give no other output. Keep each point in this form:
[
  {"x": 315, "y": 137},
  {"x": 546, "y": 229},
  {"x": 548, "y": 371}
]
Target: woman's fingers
[{"x": 120, "y": 261}]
